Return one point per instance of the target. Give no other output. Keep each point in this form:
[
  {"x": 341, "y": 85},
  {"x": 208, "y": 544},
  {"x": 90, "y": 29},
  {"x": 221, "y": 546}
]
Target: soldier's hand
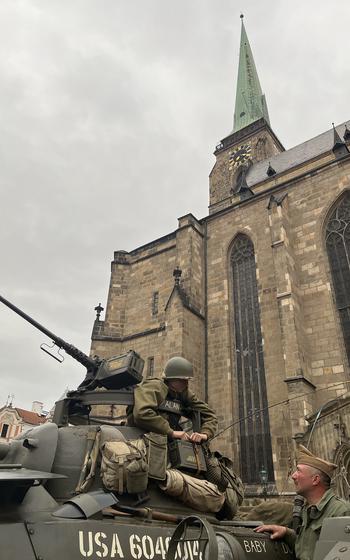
[
  {"x": 277, "y": 531},
  {"x": 180, "y": 435},
  {"x": 196, "y": 437}
]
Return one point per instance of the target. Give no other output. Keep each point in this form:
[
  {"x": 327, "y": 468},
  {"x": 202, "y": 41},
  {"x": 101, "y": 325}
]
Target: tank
[
  {"x": 334, "y": 541},
  {"x": 54, "y": 504}
]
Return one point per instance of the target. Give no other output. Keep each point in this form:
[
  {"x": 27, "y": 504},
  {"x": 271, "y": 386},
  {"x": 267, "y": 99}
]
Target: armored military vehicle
[
  {"x": 334, "y": 541},
  {"x": 54, "y": 502}
]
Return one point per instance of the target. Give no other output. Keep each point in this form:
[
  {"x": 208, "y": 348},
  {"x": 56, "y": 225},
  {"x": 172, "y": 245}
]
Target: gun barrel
[{"x": 69, "y": 348}]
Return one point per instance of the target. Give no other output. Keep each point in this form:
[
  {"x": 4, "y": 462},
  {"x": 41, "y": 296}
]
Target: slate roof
[{"x": 295, "y": 156}]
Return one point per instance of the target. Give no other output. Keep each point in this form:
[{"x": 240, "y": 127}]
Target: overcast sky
[{"x": 109, "y": 113}]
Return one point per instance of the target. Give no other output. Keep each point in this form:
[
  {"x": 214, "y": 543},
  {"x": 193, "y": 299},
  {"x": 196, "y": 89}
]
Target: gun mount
[{"x": 113, "y": 373}]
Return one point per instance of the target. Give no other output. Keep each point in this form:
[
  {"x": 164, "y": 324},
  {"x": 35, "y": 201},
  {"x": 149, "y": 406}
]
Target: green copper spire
[{"x": 250, "y": 101}]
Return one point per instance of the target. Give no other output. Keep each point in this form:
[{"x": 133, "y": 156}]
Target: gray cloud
[{"x": 109, "y": 113}]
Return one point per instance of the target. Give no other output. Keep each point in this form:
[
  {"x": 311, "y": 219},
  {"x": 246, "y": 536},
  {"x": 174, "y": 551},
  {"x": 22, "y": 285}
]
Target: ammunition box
[
  {"x": 121, "y": 371},
  {"x": 187, "y": 456}
]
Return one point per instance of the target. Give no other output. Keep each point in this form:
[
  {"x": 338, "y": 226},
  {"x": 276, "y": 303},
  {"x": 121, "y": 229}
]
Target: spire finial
[
  {"x": 241, "y": 16},
  {"x": 98, "y": 310}
]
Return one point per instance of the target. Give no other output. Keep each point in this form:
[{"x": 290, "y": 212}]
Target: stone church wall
[
  {"x": 166, "y": 327},
  {"x": 303, "y": 343},
  {"x": 302, "y": 338}
]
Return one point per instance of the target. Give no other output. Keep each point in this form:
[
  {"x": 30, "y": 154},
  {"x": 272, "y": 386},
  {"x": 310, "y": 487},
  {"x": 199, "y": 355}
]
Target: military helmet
[{"x": 178, "y": 368}]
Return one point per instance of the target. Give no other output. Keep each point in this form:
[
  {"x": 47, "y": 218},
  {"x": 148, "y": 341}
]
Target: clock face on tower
[{"x": 240, "y": 155}]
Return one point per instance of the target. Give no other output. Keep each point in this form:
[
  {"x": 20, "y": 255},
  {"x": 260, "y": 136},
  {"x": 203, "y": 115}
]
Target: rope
[{"x": 285, "y": 401}]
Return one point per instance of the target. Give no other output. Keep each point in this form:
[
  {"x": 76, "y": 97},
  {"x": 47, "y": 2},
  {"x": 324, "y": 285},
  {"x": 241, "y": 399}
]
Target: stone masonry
[{"x": 284, "y": 216}]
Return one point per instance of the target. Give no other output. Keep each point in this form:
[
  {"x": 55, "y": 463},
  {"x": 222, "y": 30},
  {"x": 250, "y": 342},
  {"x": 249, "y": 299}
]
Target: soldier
[
  {"x": 312, "y": 480},
  {"x": 152, "y": 393}
]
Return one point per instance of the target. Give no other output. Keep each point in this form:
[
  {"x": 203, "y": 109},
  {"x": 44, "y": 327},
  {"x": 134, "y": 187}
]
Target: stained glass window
[
  {"x": 254, "y": 428},
  {"x": 338, "y": 248}
]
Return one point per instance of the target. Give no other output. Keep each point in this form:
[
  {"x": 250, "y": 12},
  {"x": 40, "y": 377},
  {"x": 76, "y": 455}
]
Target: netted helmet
[{"x": 178, "y": 368}]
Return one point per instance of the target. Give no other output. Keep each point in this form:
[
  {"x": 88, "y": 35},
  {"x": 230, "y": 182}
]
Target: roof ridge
[
  {"x": 317, "y": 136},
  {"x": 295, "y": 156}
]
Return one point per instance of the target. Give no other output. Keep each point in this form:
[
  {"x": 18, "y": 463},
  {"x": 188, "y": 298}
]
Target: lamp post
[{"x": 263, "y": 480}]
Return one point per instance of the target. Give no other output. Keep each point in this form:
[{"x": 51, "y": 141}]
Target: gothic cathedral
[{"x": 256, "y": 294}]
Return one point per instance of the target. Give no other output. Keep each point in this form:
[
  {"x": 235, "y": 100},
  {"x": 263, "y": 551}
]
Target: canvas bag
[
  {"x": 156, "y": 445},
  {"x": 124, "y": 466}
]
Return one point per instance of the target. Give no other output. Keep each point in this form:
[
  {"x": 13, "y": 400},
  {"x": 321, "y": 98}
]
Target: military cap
[{"x": 305, "y": 457}]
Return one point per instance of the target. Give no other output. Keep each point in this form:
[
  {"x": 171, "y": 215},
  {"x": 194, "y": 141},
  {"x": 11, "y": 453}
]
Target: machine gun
[{"x": 113, "y": 373}]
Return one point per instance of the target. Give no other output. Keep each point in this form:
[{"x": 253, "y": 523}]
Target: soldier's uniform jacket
[
  {"x": 312, "y": 518},
  {"x": 148, "y": 398}
]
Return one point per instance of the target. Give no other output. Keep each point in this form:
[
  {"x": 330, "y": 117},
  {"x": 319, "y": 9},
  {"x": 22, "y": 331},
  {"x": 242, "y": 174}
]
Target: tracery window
[
  {"x": 254, "y": 427},
  {"x": 338, "y": 248}
]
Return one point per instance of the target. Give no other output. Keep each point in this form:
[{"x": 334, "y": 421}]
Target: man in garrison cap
[
  {"x": 147, "y": 413},
  {"x": 312, "y": 480}
]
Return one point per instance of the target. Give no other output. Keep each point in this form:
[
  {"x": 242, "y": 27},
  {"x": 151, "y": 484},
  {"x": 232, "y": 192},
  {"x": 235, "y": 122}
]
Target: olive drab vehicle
[{"x": 54, "y": 498}]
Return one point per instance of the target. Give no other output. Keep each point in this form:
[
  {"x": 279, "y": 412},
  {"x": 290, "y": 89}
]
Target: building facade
[
  {"x": 15, "y": 421},
  {"x": 256, "y": 294}
]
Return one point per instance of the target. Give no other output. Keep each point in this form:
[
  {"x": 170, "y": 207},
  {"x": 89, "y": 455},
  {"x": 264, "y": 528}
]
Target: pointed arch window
[
  {"x": 338, "y": 249},
  {"x": 254, "y": 428}
]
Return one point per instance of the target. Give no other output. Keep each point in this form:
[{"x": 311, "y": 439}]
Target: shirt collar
[{"x": 328, "y": 495}]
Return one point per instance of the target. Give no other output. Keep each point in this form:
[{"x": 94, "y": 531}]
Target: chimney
[{"x": 37, "y": 407}]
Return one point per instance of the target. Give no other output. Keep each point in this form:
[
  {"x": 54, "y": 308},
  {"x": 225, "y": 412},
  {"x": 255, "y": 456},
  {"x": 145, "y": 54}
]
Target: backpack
[{"x": 124, "y": 466}]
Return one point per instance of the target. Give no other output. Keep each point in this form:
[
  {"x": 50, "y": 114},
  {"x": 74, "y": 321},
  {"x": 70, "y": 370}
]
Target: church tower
[
  {"x": 255, "y": 294},
  {"x": 251, "y": 139}
]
